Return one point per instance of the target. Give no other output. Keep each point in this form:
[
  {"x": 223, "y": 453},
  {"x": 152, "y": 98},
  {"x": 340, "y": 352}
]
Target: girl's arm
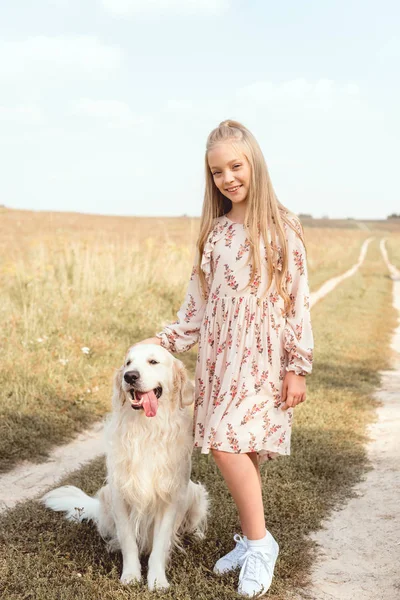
[
  {"x": 298, "y": 335},
  {"x": 185, "y": 331}
]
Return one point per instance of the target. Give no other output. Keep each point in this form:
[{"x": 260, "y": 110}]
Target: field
[{"x": 76, "y": 291}]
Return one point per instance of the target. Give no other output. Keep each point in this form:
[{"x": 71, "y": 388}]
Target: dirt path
[
  {"x": 28, "y": 480},
  {"x": 360, "y": 544},
  {"x": 329, "y": 285}
]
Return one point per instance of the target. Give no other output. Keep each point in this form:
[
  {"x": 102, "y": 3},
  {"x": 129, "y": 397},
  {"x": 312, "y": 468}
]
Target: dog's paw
[
  {"x": 157, "y": 581},
  {"x": 198, "y": 534},
  {"x": 128, "y": 577}
]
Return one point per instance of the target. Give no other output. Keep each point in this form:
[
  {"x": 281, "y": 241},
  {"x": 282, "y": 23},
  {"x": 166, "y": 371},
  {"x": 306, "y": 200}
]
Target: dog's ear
[
  {"x": 183, "y": 387},
  {"x": 119, "y": 397}
]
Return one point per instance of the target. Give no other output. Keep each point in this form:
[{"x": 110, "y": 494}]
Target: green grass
[{"x": 44, "y": 557}]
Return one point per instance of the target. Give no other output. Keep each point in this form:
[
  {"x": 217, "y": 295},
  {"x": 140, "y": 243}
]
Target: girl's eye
[{"x": 234, "y": 166}]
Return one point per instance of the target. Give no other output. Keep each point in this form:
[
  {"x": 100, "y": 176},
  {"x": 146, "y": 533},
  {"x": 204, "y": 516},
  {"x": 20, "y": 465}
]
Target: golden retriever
[{"x": 149, "y": 500}]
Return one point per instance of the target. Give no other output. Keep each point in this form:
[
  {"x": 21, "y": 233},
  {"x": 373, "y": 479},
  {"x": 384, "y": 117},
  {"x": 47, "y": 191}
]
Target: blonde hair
[{"x": 264, "y": 214}]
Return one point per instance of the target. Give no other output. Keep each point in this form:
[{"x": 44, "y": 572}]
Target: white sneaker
[
  {"x": 258, "y": 568},
  {"x": 234, "y": 558}
]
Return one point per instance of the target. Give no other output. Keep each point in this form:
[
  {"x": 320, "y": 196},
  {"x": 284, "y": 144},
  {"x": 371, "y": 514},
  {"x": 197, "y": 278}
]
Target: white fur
[{"x": 149, "y": 500}]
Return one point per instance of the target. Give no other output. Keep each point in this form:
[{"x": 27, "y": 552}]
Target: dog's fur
[{"x": 149, "y": 500}]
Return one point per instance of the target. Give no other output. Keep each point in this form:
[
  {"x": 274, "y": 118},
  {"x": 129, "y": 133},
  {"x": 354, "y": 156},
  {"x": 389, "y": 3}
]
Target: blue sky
[{"x": 105, "y": 105}]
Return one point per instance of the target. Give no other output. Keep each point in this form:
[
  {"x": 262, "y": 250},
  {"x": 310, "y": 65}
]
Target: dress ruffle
[
  {"x": 206, "y": 260},
  {"x": 216, "y": 233}
]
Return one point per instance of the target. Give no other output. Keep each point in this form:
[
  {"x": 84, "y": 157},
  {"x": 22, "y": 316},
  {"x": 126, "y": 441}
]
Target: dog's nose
[{"x": 131, "y": 376}]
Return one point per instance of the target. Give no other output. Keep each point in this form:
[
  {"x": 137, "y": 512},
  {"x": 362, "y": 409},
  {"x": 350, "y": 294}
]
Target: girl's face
[{"x": 230, "y": 170}]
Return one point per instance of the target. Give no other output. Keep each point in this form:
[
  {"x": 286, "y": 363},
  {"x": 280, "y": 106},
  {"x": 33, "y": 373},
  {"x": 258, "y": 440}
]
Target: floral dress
[{"x": 245, "y": 344}]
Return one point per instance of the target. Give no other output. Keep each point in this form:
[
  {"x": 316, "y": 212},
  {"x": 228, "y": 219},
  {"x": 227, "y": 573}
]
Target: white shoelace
[
  {"x": 241, "y": 544},
  {"x": 253, "y": 559}
]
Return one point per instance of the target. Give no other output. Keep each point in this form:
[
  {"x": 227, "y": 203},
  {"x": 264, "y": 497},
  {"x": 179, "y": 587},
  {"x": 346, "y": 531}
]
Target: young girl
[{"x": 247, "y": 305}]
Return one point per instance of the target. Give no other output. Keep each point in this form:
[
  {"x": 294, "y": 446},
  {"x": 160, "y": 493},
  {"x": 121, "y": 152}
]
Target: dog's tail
[{"x": 77, "y": 505}]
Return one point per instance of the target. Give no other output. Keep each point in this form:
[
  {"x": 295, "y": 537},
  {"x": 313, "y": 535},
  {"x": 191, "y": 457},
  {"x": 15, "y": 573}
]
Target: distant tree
[
  {"x": 304, "y": 216},
  {"x": 394, "y": 216},
  {"x": 325, "y": 217}
]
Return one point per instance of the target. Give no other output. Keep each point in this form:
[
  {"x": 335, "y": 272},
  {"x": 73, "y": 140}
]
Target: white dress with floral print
[{"x": 245, "y": 344}]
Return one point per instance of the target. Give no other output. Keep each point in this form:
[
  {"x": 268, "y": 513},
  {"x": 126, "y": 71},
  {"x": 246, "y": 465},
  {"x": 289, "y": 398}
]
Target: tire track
[
  {"x": 330, "y": 285},
  {"x": 360, "y": 543}
]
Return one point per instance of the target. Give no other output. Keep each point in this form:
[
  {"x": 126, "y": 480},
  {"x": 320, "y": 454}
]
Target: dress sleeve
[
  {"x": 298, "y": 334},
  {"x": 183, "y": 333}
]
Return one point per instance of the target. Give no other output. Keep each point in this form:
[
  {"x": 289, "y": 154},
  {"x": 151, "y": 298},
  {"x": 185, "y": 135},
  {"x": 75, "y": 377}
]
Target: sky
[{"x": 106, "y": 105}]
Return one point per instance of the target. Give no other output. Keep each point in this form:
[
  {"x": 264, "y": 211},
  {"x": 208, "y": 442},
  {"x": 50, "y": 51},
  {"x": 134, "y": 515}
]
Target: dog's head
[{"x": 150, "y": 379}]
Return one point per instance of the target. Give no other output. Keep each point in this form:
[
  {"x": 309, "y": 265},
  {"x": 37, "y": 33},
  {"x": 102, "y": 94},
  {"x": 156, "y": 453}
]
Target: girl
[{"x": 247, "y": 305}]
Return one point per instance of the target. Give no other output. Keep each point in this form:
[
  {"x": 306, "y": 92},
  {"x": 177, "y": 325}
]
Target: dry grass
[
  {"x": 71, "y": 281},
  {"x": 331, "y": 252},
  {"x": 69, "y": 313},
  {"x": 393, "y": 249},
  {"x": 44, "y": 558}
]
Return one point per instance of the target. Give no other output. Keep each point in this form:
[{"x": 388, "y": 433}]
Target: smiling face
[
  {"x": 144, "y": 374},
  {"x": 152, "y": 380},
  {"x": 231, "y": 171}
]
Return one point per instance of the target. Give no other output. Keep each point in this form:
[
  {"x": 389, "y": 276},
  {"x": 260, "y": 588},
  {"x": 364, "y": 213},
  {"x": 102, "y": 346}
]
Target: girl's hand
[{"x": 293, "y": 390}]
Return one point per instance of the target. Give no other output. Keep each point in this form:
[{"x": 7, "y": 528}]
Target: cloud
[
  {"x": 390, "y": 50},
  {"x": 179, "y": 106},
  {"x": 113, "y": 112},
  {"x": 57, "y": 57},
  {"x": 132, "y": 8},
  {"x": 298, "y": 95},
  {"x": 24, "y": 114}
]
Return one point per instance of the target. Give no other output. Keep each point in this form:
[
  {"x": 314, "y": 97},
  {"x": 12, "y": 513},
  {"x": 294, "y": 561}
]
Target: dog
[{"x": 149, "y": 500}]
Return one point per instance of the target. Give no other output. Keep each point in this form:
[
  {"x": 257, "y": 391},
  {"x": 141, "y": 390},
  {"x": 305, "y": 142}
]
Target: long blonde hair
[{"x": 264, "y": 214}]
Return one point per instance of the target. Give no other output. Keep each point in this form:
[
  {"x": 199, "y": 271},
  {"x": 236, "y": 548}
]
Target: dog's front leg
[
  {"x": 163, "y": 527},
  {"x": 131, "y": 568}
]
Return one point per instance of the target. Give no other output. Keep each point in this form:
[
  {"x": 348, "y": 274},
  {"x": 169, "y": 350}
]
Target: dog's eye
[
  {"x": 153, "y": 362},
  {"x": 128, "y": 363}
]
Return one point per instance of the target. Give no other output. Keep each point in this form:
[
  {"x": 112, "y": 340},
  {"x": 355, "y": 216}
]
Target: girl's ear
[
  {"x": 118, "y": 398},
  {"x": 182, "y": 386}
]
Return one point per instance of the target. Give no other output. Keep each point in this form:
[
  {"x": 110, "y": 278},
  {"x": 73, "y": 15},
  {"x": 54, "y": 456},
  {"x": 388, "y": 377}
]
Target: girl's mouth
[{"x": 234, "y": 189}]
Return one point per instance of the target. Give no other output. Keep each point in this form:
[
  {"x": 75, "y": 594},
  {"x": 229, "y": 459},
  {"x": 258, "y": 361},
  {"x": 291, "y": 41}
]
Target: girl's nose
[{"x": 229, "y": 178}]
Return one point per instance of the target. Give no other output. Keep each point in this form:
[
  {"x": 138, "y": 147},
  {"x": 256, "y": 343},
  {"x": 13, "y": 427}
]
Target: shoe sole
[
  {"x": 226, "y": 570},
  {"x": 217, "y": 572}
]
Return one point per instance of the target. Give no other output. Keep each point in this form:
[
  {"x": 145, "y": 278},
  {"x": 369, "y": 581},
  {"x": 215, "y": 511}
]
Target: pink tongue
[{"x": 150, "y": 403}]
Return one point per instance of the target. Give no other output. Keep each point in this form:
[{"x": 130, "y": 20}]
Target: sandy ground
[
  {"x": 29, "y": 480},
  {"x": 360, "y": 544}
]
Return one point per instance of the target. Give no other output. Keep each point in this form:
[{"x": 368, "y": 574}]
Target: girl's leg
[
  {"x": 254, "y": 458},
  {"x": 243, "y": 480}
]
